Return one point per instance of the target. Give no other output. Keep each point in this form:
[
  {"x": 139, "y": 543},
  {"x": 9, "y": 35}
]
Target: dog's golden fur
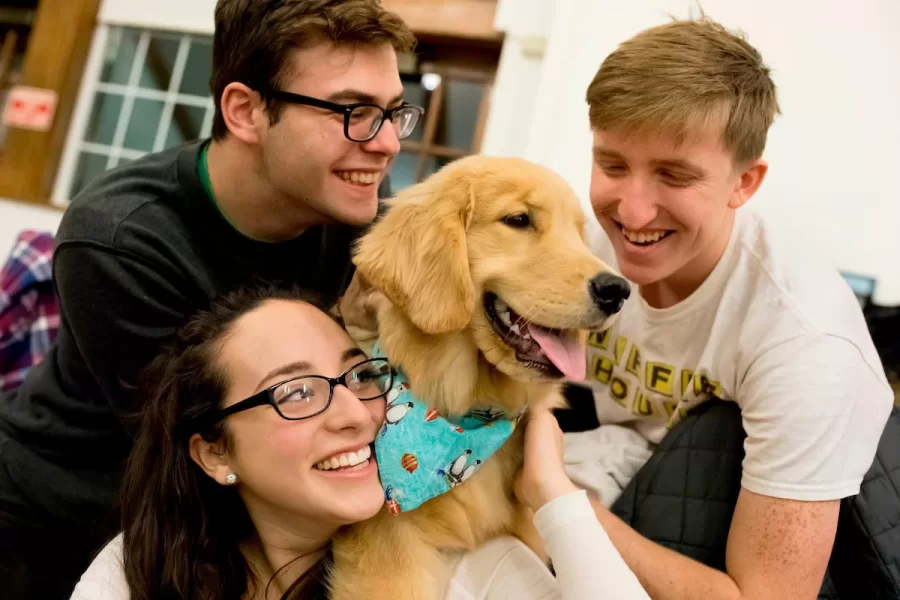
[{"x": 441, "y": 246}]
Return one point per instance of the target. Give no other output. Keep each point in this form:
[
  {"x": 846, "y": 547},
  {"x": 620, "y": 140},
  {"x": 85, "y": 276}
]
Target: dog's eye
[{"x": 517, "y": 221}]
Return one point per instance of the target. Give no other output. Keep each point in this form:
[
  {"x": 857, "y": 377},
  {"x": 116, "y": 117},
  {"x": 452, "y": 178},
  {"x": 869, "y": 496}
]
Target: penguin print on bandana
[
  {"x": 395, "y": 410},
  {"x": 459, "y": 469}
]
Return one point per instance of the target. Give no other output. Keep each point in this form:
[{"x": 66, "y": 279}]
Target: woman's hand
[{"x": 543, "y": 477}]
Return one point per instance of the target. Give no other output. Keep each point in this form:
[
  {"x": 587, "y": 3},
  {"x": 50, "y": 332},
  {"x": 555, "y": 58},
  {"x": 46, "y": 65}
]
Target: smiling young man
[
  {"x": 725, "y": 310},
  {"x": 309, "y": 115}
]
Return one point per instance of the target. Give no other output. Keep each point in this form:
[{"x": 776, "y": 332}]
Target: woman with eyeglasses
[{"x": 254, "y": 449}]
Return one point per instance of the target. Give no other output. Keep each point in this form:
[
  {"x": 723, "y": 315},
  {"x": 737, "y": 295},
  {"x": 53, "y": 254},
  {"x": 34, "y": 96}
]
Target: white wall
[
  {"x": 193, "y": 16},
  {"x": 17, "y": 216},
  {"x": 833, "y": 153}
]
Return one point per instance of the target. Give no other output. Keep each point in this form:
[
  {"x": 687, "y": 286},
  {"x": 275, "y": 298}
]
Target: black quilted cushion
[
  {"x": 865, "y": 562},
  {"x": 684, "y": 496}
]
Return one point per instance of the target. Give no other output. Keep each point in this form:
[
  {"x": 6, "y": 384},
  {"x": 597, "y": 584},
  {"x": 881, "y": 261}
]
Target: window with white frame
[{"x": 152, "y": 93}]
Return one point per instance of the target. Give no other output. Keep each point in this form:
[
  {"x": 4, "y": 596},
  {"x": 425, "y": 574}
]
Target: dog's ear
[{"x": 417, "y": 255}]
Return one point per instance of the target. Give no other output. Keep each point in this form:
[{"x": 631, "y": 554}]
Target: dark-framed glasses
[
  {"x": 303, "y": 397},
  {"x": 362, "y": 121}
]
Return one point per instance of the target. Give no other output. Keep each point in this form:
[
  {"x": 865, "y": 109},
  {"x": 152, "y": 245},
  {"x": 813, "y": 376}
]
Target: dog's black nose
[{"x": 609, "y": 292}]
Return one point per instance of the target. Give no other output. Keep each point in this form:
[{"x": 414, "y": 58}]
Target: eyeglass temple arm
[
  {"x": 307, "y": 100},
  {"x": 253, "y": 401}
]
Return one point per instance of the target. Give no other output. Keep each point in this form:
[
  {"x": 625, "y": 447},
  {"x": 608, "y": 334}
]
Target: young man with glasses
[{"x": 309, "y": 115}]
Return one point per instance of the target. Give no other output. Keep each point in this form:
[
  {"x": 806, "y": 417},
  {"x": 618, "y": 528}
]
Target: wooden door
[{"x": 58, "y": 40}]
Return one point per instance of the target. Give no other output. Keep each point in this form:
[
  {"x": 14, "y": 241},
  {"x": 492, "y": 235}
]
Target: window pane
[
  {"x": 89, "y": 166},
  {"x": 143, "y": 124},
  {"x": 433, "y": 164},
  {"x": 104, "y": 117},
  {"x": 414, "y": 93},
  {"x": 403, "y": 171},
  {"x": 159, "y": 62},
  {"x": 120, "y": 51},
  {"x": 198, "y": 69},
  {"x": 462, "y": 101},
  {"x": 186, "y": 124}
]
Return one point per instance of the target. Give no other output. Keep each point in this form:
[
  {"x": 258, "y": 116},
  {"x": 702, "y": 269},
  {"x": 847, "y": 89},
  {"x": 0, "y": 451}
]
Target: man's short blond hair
[{"x": 682, "y": 78}]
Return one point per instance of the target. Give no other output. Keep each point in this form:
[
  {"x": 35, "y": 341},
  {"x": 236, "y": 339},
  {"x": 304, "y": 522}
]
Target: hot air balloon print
[{"x": 409, "y": 462}]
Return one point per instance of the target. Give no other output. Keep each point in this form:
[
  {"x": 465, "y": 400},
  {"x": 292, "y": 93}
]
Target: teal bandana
[{"x": 422, "y": 455}]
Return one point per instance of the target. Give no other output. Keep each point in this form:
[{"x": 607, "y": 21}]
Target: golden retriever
[{"x": 489, "y": 291}]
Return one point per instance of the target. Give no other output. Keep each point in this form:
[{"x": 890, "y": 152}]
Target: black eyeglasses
[
  {"x": 307, "y": 396},
  {"x": 362, "y": 121}
]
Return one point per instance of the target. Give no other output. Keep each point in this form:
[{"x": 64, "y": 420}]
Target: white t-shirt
[
  {"x": 587, "y": 565},
  {"x": 772, "y": 328}
]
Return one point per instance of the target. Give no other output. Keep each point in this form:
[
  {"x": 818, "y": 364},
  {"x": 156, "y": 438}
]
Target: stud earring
[{"x": 231, "y": 479}]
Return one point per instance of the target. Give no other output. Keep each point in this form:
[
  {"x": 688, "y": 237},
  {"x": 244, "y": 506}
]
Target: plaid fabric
[{"x": 29, "y": 312}]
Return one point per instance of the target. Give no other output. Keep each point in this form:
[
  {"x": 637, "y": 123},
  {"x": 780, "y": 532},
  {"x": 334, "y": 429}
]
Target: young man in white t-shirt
[{"x": 723, "y": 309}]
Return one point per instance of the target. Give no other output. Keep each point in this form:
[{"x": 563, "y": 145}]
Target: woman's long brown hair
[{"x": 182, "y": 530}]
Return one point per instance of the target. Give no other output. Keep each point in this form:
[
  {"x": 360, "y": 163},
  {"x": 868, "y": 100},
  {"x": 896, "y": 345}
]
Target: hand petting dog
[{"x": 543, "y": 477}]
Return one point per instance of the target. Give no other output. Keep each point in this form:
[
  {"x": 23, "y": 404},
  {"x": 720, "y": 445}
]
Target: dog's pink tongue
[{"x": 563, "y": 351}]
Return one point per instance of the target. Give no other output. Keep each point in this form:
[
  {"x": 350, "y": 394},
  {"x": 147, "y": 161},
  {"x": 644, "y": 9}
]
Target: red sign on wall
[{"x": 30, "y": 108}]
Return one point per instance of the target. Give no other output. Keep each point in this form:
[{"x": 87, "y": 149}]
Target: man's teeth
[
  {"x": 358, "y": 177},
  {"x": 643, "y": 237},
  {"x": 347, "y": 459}
]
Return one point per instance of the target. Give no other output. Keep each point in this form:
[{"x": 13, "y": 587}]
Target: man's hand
[
  {"x": 358, "y": 308},
  {"x": 776, "y": 549}
]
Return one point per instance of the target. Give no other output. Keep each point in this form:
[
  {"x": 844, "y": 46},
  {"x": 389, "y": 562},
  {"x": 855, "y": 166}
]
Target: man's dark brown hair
[{"x": 255, "y": 39}]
